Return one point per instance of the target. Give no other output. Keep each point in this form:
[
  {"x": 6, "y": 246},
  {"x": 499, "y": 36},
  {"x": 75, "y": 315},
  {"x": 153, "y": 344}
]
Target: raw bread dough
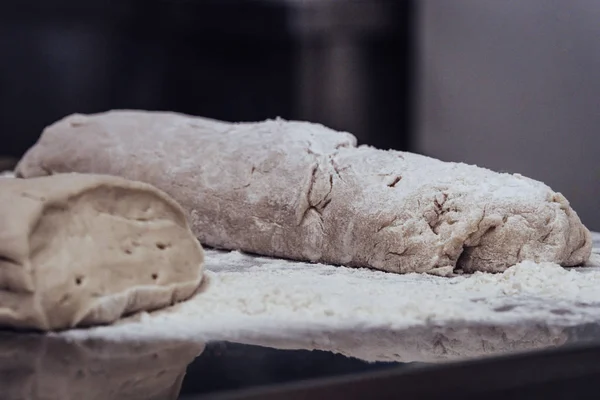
[
  {"x": 302, "y": 191},
  {"x": 80, "y": 250}
]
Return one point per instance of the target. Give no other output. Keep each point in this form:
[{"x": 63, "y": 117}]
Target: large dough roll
[
  {"x": 303, "y": 191},
  {"x": 79, "y": 250}
]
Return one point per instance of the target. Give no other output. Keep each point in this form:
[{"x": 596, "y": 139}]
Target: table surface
[{"x": 179, "y": 368}]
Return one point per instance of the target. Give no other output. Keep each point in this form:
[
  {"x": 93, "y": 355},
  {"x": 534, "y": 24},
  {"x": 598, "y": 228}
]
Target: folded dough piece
[
  {"x": 302, "y": 191},
  {"x": 80, "y": 250}
]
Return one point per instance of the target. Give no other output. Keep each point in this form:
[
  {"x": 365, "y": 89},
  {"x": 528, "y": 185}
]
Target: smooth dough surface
[
  {"x": 302, "y": 191},
  {"x": 78, "y": 250}
]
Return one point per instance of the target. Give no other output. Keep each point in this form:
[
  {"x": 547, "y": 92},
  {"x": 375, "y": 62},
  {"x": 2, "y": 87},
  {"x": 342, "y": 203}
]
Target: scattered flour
[{"x": 371, "y": 314}]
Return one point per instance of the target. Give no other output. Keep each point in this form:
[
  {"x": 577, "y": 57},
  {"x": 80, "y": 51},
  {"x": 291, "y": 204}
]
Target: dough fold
[
  {"x": 302, "y": 191},
  {"x": 78, "y": 250}
]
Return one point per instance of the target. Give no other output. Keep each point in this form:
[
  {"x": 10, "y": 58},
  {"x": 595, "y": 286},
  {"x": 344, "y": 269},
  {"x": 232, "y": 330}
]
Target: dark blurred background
[
  {"x": 342, "y": 63},
  {"x": 509, "y": 85}
]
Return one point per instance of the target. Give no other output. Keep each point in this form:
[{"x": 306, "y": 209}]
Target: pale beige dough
[
  {"x": 78, "y": 250},
  {"x": 303, "y": 191}
]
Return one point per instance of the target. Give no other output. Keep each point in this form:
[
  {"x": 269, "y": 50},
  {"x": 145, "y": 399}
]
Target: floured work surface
[{"x": 372, "y": 315}]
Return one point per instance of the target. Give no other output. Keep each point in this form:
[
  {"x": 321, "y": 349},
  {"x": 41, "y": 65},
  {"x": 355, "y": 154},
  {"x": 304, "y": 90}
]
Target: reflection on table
[
  {"x": 52, "y": 367},
  {"x": 36, "y": 367}
]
